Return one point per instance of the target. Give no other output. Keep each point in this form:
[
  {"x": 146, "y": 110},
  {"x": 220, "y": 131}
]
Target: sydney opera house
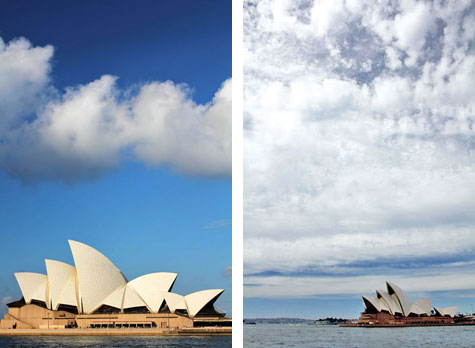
[
  {"x": 394, "y": 308},
  {"x": 95, "y": 294}
]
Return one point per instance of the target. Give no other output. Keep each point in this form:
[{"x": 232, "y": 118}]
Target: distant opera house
[
  {"x": 394, "y": 308},
  {"x": 95, "y": 294}
]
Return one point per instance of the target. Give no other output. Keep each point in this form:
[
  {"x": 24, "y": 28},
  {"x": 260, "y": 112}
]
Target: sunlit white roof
[
  {"x": 151, "y": 286},
  {"x": 450, "y": 311},
  {"x": 132, "y": 299},
  {"x": 395, "y": 301},
  {"x": 174, "y": 301},
  {"x": 403, "y": 301},
  {"x": 116, "y": 298},
  {"x": 197, "y": 300},
  {"x": 386, "y": 301},
  {"x": 372, "y": 302},
  {"x": 424, "y": 304},
  {"x": 98, "y": 276},
  {"x": 96, "y": 282},
  {"x": 62, "y": 283},
  {"x": 34, "y": 286}
]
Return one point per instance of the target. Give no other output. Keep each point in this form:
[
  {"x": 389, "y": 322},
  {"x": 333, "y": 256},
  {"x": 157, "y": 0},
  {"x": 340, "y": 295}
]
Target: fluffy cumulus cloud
[
  {"x": 24, "y": 80},
  {"x": 359, "y": 141},
  {"x": 89, "y": 129}
]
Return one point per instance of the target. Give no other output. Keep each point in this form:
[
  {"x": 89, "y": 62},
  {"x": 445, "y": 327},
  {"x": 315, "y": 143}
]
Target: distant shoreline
[
  {"x": 288, "y": 320},
  {"x": 279, "y": 320}
]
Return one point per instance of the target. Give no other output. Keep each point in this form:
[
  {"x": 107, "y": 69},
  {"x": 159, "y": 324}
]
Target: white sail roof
[
  {"x": 373, "y": 302},
  {"x": 197, "y": 300},
  {"x": 96, "y": 281},
  {"x": 403, "y": 301},
  {"x": 151, "y": 286},
  {"x": 424, "y": 304},
  {"x": 116, "y": 298},
  {"x": 385, "y": 299},
  {"x": 34, "y": 286},
  {"x": 415, "y": 309},
  {"x": 174, "y": 301},
  {"x": 450, "y": 311},
  {"x": 98, "y": 277},
  {"x": 62, "y": 283},
  {"x": 132, "y": 299},
  {"x": 383, "y": 305},
  {"x": 397, "y": 302}
]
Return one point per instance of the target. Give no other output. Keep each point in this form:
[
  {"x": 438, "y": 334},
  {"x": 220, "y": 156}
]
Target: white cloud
[
  {"x": 327, "y": 14},
  {"x": 172, "y": 129},
  {"x": 306, "y": 287},
  {"x": 24, "y": 79},
  {"x": 411, "y": 27},
  {"x": 326, "y": 249},
  {"x": 91, "y": 128},
  {"x": 358, "y": 140}
]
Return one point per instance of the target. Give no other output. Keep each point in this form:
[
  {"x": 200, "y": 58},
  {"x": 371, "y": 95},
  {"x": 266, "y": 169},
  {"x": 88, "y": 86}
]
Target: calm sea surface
[
  {"x": 108, "y": 341},
  {"x": 275, "y": 335}
]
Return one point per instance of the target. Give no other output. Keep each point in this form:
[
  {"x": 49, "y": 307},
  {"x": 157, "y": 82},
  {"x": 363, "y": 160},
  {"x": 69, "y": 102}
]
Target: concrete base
[
  {"x": 383, "y": 319},
  {"x": 118, "y": 332},
  {"x": 32, "y": 319}
]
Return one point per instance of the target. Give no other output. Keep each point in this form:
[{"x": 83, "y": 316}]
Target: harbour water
[
  {"x": 117, "y": 341},
  {"x": 302, "y": 335}
]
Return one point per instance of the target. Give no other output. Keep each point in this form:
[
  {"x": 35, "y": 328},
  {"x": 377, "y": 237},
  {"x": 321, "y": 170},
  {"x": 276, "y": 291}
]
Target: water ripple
[
  {"x": 112, "y": 342},
  {"x": 275, "y": 335}
]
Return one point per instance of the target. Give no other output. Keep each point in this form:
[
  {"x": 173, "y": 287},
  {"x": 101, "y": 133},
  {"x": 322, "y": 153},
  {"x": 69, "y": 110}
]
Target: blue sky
[
  {"x": 359, "y": 161},
  {"x": 96, "y": 146},
  {"x": 348, "y": 307},
  {"x": 183, "y": 41}
]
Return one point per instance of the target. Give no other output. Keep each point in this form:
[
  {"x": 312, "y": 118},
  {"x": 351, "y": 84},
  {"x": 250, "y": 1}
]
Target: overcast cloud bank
[
  {"x": 89, "y": 129},
  {"x": 359, "y": 139}
]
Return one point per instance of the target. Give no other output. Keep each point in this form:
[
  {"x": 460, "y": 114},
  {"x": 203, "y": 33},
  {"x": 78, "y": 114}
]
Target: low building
[
  {"x": 95, "y": 294},
  {"x": 394, "y": 308}
]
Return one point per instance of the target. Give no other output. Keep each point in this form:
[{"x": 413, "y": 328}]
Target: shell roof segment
[
  {"x": 450, "y": 311},
  {"x": 116, "y": 299},
  {"x": 395, "y": 301},
  {"x": 34, "y": 286},
  {"x": 197, "y": 300},
  {"x": 95, "y": 281},
  {"x": 150, "y": 288},
  {"x": 175, "y": 301},
  {"x": 386, "y": 299},
  {"x": 372, "y": 302},
  {"x": 62, "y": 283},
  {"x": 423, "y": 305},
  {"x": 401, "y": 297},
  {"x": 132, "y": 299},
  {"x": 98, "y": 276}
]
